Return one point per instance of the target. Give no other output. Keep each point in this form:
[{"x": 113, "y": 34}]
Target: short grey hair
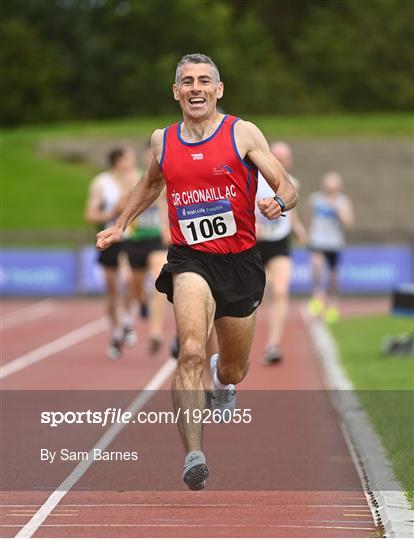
[{"x": 196, "y": 58}]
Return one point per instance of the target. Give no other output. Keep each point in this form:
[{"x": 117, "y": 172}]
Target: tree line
[{"x": 74, "y": 59}]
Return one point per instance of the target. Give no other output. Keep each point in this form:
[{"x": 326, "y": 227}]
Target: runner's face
[
  {"x": 126, "y": 162},
  {"x": 198, "y": 91},
  {"x": 332, "y": 184}
]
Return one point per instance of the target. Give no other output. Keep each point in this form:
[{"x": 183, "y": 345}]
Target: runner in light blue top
[{"x": 331, "y": 214}]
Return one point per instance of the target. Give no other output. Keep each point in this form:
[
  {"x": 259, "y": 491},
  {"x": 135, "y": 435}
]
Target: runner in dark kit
[{"x": 209, "y": 163}]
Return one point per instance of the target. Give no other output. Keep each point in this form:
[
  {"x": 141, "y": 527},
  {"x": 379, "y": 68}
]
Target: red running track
[{"x": 313, "y": 437}]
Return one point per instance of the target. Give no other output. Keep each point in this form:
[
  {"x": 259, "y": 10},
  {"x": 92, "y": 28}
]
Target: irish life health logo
[{"x": 222, "y": 168}]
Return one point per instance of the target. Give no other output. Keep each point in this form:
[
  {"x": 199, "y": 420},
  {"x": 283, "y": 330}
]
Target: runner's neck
[{"x": 196, "y": 131}]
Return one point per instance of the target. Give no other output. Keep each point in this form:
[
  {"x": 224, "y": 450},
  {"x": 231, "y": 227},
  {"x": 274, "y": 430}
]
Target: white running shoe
[
  {"x": 130, "y": 336},
  {"x": 195, "y": 470},
  {"x": 222, "y": 399},
  {"x": 115, "y": 349},
  {"x": 273, "y": 355}
]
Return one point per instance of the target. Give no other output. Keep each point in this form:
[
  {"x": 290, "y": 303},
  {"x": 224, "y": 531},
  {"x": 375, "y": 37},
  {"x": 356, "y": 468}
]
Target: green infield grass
[{"x": 384, "y": 385}]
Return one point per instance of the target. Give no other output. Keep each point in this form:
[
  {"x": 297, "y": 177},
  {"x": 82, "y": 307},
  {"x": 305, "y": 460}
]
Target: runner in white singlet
[
  {"x": 273, "y": 242},
  {"x": 107, "y": 196}
]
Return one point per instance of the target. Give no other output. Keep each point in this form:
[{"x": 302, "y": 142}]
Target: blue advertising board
[
  {"x": 91, "y": 277},
  {"x": 369, "y": 269},
  {"x": 38, "y": 272},
  {"x": 364, "y": 269}
]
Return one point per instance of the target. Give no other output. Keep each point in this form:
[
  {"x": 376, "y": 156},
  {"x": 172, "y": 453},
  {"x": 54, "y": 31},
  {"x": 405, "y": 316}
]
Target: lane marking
[
  {"x": 213, "y": 505},
  {"x": 358, "y": 515},
  {"x": 28, "y": 313},
  {"x": 103, "y": 442},
  {"x": 204, "y": 525},
  {"x": 64, "y": 342},
  {"x": 23, "y": 308}
]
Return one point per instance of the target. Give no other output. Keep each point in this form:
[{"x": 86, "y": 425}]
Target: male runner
[
  {"x": 274, "y": 244},
  {"x": 105, "y": 202},
  {"x": 147, "y": 254},
  {"x": 214, "y": 276},
  {"x": 331, "y": 212}
]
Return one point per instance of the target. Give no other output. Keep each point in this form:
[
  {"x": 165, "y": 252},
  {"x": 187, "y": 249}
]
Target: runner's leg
[
  {"x": 332, "y": 314},
  {"x": 127, "y": 317},
  {"x": 278, "y": 276},
  {"x": 235, "y": 336},
  {"x": 158, "y": 302},
  {"x": 112, "y": 297},
  {"x": 194, "y": 309},
  {"x": 212, "y": 348},
  {"x": 139, "y": 285},
  {"x": 317, "y": 263},
  {"x": 333, "y": 287}
]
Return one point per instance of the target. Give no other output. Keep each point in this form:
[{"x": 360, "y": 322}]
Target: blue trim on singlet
[
  {"x": 233, "y": 141},
  {"x": 249, "y": 179},
  {"x": 164, "y": 144},
  {"x": 200, "y": 142},
  {"x": 256, "y": 178}
]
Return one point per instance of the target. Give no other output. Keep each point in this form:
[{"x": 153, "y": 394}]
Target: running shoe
[
  {"x": 115, "y": 349},
  {"x": 195, "y": 471},
  {"x": 332, "y": 315},
  {"x": 273, "y": 355},
  {"x": 155, "y": 345},
  {"x": 315, "y": 307},
  {"x": 222, "y": 399},
  {"x": 130, "y": 336}
]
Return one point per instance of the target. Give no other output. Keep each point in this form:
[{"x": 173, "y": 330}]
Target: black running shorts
[
  {"x": 138, "y": 251},
  {"x": 236, "y": 280},
  {"x": 274, "y": 248},
  {"x": 332, "y": 257},
  {"x": 109, "y": 256}
]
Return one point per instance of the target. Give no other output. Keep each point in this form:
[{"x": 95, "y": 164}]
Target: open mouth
[{"x": 197, "y": 101}]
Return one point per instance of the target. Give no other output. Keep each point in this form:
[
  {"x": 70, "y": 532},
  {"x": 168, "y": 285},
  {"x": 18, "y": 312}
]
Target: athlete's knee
[
  {"x": 191, "y": 354},
  {"x": 232, "y": 374}
]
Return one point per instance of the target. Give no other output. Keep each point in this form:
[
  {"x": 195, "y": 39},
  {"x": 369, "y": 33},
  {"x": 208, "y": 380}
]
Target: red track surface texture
[{"x": 312, "y": 436}]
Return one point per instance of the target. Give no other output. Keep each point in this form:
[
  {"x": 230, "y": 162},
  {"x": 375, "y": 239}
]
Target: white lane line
[
  {"x": 140, "y": 400},
  {"x": 196, "y": 505},
  {"x": 53, "y": 347},
  {"x": 28, "y": 313},
  {"x": 203, "y": 525}
]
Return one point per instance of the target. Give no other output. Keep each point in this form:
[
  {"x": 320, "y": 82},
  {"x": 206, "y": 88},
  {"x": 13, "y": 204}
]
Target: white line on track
[
  {"x": 195, "y": 505},
  {"x": 103, "y": 442},
  {"x": 194, "y": 525},
  {"x": 64, "y": 342},
  {"x": 28, "y": 313}
]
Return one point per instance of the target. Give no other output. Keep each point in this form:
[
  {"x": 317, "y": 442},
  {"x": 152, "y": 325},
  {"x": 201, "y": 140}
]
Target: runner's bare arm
[
  {"x": 165, "y": 226},
  {"x": 145, "y": 192},
  {"x": 346, "y": 214},
  {"x": 252, "y": 144}
]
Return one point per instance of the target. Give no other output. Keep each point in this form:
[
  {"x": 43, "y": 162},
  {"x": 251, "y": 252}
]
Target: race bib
[{"x": 206, "y": 221}]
